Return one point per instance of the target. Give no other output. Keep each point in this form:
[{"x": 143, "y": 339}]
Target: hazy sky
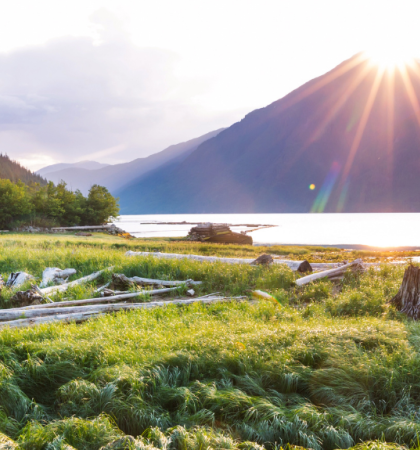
[{"x": 116, "y": 80}]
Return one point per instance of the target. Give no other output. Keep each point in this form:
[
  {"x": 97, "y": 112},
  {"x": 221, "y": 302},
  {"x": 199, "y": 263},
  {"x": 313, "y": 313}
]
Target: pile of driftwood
[
  {"x": 31, "y": 308},
  {"x": 217, "y": 233}
]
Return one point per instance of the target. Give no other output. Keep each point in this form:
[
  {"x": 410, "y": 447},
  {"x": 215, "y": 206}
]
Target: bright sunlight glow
[{"x": 391, "y": 55}]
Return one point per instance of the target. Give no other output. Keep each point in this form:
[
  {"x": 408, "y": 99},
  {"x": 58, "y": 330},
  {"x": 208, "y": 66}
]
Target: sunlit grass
[{"x": 333, "y": 367}]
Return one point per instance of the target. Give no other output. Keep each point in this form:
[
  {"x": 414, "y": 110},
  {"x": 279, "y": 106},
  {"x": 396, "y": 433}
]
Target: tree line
[
  {"x": 13, "y": 171},
  {"x": 49, "y": 205}
]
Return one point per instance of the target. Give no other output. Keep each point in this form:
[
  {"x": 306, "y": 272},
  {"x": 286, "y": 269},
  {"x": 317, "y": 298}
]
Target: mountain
[
  {"x": 347, "y": 141},
  {"x": 88, "y": 165},
  {"x": 117, "y": 176},
  {"x": 13, "y": 171}
]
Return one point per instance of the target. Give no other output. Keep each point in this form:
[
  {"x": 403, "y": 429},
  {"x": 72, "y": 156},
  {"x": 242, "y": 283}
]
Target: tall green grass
[{"x": 333, "y": 366}]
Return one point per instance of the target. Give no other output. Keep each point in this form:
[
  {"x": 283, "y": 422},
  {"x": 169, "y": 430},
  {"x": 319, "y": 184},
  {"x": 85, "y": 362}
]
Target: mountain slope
[
  {"x": 13, "y": 171},
  {"x": 117, "y": 176},
  {"x": 89, "y": 165},
  {"x": 343, "y": 132}
]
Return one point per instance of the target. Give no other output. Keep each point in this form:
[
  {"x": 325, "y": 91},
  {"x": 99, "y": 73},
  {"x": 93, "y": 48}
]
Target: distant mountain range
[
  {"x": 84, "y": 174},
  {"x": 348, "y": 141},
  {"x": 54, "y": 168},
  {"x": 13, "y": 171}
]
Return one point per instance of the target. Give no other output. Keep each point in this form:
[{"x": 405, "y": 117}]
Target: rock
[
  {"x": 16, "y": 279},
  {"x": 26, "y": 298},
  {"x": 124, "y": 443},
  {"x": 304, "y": 267},
  {"x": 263, "y": 259},
  {"x": 191, "y": 292}
]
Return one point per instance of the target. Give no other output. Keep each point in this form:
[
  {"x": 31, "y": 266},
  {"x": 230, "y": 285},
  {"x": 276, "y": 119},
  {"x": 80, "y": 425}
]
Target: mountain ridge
[
  {"x": 116, "y": 176},
  {"x": 333, "y": 132}
]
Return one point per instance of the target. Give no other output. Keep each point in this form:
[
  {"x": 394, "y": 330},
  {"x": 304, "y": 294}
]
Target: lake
[{"x": 379, "y": 230}]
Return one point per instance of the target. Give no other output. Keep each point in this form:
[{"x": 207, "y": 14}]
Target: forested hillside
[{"x": 13, "y": 171}]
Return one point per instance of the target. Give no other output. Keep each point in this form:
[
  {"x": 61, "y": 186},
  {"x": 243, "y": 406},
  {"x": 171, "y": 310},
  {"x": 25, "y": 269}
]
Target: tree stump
[
  {"x": 407, "y": 299},
  {"x": 304, "y": 267},
  {"x": 263, "y": 259}
]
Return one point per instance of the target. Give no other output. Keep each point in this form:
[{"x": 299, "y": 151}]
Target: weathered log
[
  {"x": 64, "y": 287},
  {"x": 55, "y": 275},
  {"x": 356, "y": 265},
  {"x": 151, "y": 281},
  {"x": 263, "y": 259},
  {"x": 304, "y": 267},
  {"x": 88, "y": 314},
  {"x": 25, "y": 298},
  {"x": 1, "y": 283},
  {"x": 120, "y": 281},
  {"x": 16, "y": 279},
  {"x": 88, "y": 301},
  {"x": 293, "y": 265},
  {"x": 407, "y": 299}
]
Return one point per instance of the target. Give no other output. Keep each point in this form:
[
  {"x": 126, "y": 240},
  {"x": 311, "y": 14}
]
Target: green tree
[
  {"x": 100, "y": 206},
  {"x": 14, "y": 202}
]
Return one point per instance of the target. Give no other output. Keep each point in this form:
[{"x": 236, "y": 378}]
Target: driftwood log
[
  {"x": 64, "y": 287},
  {"x": 293, "y": 265},
  {"x": 25, "y": 298},
  {"x": 92, "y": 301},
  {"x": 333, "y": 274},
  {"x": 81, "y": 316},
  {"x": 407, "y": 299}
]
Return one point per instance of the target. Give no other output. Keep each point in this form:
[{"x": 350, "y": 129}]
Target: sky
[{"x": 113, "y": 81}]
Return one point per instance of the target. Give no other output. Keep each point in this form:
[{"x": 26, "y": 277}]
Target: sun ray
[
  {"x": 341, "y": 102},
  {"x": 410, "y": 92},
  {"x": 325, "y": 80},
  {"x": 390, "y": 122},
  {"x": 362, "y": 125}
]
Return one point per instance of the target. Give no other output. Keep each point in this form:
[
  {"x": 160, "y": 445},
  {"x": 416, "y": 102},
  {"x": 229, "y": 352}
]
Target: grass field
[{"x": 330, "y": 366}]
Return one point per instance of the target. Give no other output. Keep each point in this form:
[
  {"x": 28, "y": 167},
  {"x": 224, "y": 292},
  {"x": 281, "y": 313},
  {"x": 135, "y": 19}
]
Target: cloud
[{"x": 75, "y": 97}]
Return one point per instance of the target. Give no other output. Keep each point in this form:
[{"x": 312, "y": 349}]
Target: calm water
[{"x": 380, "y": 230}]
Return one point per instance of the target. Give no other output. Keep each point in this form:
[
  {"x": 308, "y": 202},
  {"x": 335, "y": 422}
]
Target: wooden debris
[
  {"x": 191, "y": 292},
  {"x": 73, "y": 316},
  {"x": 217, "y": 233},
  {"x": 1, "y": 283},
  {"x": 293, "y": 265},
  {"x": 25, "y": 298},
  {"x": 83, "y": 233},
  {"x": 55, "y": 275},
  {"x": 16, "y": 279},
  {"x": 304, "y": 267},
  {"x": 263, "y": 259},
  {"x": 333, "y": 274},
  {"x": 93, "y": 301},
  {"x": 407, "y": 299},
  {"x": 64, "y": 287},
  {"x": 120, "y": 281}
]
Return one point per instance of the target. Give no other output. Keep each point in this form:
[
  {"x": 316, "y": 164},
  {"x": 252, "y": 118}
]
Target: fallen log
[
  {"x": 151, "y": 281},
  {"x": 86, "y": 315},
  {"x": 356, "y": 265},
  {"x": 64, "y": 287},
  {"x": 293, "y": 265},
  {"x": 16, "y": 279},
  {"x": 407, "y": 299},
  {"x": 93, "y": 301},
  {"x": 55, "y": 275}
]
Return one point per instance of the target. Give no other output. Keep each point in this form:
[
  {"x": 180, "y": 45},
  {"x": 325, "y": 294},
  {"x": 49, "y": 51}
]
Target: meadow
[{"x": 329, "y": 366}]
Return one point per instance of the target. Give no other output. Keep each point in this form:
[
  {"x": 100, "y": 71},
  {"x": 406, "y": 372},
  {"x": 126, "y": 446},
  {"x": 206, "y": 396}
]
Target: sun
[{"x": 388, "y": 55}]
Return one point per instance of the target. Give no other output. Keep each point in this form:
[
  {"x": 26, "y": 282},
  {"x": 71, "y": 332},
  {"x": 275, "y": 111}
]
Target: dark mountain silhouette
[
  {"x": 347, "y": 141},
  {"x": 13, "y": 171},
  {"x": 117, "y": 176}
]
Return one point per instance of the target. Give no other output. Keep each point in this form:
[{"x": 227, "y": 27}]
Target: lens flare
[{"x": 312, "y": 187}]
